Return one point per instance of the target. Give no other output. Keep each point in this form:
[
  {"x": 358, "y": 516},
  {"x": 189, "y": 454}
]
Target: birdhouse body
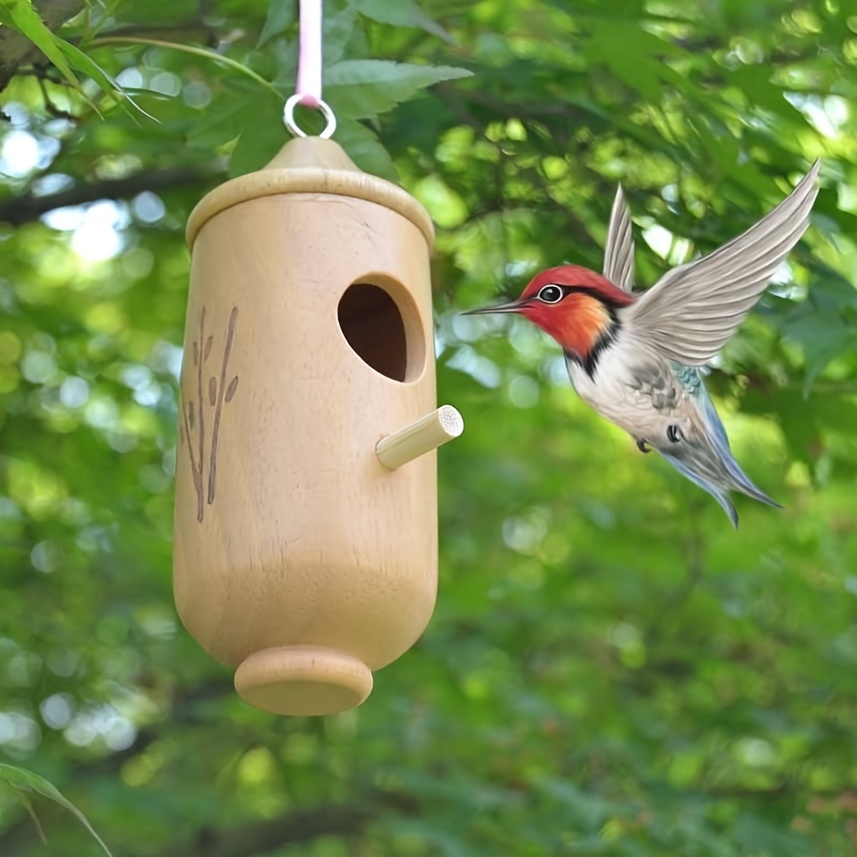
[{"x": 298, "y": 556}]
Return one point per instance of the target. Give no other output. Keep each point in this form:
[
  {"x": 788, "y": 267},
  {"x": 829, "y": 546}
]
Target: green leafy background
[{"x": 611, "y": 669}]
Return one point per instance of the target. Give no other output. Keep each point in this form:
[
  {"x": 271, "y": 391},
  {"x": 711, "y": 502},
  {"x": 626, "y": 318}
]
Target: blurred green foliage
[{"x": 611, "y": 669}]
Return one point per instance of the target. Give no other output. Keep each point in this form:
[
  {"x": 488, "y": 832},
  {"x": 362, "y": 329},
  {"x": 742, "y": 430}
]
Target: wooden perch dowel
[{"x": 427, "y": 433}]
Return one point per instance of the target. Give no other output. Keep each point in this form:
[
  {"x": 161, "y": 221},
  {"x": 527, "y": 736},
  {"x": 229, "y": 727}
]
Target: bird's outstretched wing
[
  {"x": 619, "y": 248},
  {"x": 690, "y": 313}
]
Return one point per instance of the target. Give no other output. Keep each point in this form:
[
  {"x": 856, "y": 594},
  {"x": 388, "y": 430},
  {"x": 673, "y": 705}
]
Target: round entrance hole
[{"x": 374, "y": 328}]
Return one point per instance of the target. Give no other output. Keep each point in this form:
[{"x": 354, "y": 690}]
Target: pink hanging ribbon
[{"x": 309, "y": 55}]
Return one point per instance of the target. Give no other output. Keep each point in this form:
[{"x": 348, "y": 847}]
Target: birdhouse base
[{"x": 303, "y": 680}]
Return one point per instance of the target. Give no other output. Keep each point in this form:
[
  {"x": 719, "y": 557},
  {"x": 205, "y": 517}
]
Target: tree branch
[
  {"x": 16, "y": 49},
  {"x": 30, "y": 207},
  {"x": 243, "y": 840},
  {"x": 192, "y": 30},
  {"x": 262, "y": 837}
]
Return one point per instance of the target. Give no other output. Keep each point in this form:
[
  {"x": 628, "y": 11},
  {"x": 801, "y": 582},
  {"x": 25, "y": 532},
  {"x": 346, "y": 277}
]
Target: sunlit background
[{"x": 611, "y": 668}]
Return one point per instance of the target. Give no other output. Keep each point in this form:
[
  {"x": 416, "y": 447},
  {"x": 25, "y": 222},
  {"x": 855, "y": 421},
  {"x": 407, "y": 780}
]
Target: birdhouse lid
[{"x": 310, "y": 165}]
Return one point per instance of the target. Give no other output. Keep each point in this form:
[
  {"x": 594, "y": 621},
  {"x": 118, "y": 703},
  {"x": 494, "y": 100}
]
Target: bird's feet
[
  {"x": 674, "y": 434},
  {"x": 643, "y": 446}
]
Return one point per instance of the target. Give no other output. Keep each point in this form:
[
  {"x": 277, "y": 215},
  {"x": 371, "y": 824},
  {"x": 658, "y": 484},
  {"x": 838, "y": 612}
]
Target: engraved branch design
[{"x": 213, "y": 395}]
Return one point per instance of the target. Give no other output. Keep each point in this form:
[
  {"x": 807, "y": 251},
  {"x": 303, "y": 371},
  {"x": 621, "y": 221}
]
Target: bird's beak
[{"x": 512, "y": 306}]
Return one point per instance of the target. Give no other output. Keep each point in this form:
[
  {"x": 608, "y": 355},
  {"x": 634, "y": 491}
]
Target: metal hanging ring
[{"x": 291, "y": 125}]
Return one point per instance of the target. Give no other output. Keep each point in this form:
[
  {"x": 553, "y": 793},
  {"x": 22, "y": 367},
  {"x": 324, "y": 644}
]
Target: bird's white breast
[{"x": 632, "y": 387}]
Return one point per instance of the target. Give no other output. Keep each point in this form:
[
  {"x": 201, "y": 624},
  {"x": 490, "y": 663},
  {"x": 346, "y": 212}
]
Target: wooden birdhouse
[{"x": 306, "y": 503}]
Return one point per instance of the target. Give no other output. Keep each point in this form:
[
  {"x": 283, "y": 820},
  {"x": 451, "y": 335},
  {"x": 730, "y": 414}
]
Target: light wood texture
[
  {"x": 303, "y": 680},
  {"x": 310, "y": 165},
  {"x": 298, "y": 556},
  {"x": 427, "y": 433}
]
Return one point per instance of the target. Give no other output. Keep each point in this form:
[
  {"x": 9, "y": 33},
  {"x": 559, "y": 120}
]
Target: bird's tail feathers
[
  {"x": 720, "y": 495},
  {"x": 708, "y": 462},
  {"x": 741, "y": 482},
  {"x": 738, "y": 479}
]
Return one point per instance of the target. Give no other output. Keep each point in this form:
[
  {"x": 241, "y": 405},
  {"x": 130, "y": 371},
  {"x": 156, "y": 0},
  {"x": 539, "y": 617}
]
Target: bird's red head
[{"x": 576, "y": 306}]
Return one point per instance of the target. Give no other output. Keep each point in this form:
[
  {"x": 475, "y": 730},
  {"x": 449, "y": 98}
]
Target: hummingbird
[{"x": 638, "y": 358}]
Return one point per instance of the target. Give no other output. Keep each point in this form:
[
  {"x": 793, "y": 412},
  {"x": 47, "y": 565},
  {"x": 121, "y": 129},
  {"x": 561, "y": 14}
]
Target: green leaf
[
  {"x": 755, "y": 82},
  {"x": 824, "y": 337},
  {"x": 262, "y": 134},
  {"x": 359, "y": 89},
  {"x": 633, "y": 55},
  {"x": 337, "y": 31},
  {"x": 404, "y": 13},
  {"x": 365, "y": 149},
  {"x": 26, "y": 781},
  {"x": 84, "y": 63},
  {"x": 823, "y": 324},
  {"x": 281, "y": 15},
  {"x": 235, "y": 111},
  {"x": 206, "y": 53},
  {"x": 21, "y": 15}
]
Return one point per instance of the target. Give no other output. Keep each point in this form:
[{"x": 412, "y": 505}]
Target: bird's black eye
[{"x": 550, "y": 294}]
